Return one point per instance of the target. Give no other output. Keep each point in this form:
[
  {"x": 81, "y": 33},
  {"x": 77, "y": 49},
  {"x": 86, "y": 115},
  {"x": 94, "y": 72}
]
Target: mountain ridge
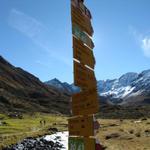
[
  {"x": 21, "y": 91},
  {"x": 118, "y": 91}
]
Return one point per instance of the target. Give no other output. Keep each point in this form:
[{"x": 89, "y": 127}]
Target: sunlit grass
[{"x": 18, "y": 129}]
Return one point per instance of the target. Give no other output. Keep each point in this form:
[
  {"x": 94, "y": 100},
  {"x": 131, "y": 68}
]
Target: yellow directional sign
[
  {"x": 81, "y": 126},
  {"x": 84, "y": 84},
  {"x": 84, "y": 77},
  {"x": 83, "y": 53},
  {"x": 89, "y": 94},
  {"x": 81, "y": 20},
  {"x": 85, "y": 102}
]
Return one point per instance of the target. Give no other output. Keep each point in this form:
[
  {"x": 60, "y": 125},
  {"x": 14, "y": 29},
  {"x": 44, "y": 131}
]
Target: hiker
[
  {"x": 44, "y": 122},
  {"x": 40, "y": 122}
]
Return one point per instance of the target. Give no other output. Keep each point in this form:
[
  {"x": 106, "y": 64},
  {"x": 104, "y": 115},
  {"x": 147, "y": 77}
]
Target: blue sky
[{"x": 36, "y": 35}]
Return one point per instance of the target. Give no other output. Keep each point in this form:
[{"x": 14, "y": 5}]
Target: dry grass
[{"x": 124, "y": 134}]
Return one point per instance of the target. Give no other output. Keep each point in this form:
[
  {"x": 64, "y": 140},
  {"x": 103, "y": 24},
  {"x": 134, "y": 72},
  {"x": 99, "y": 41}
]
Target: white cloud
[
  {"x": 27, "y": 25},
  {"x": 146, "y": 46},
  {"x": 36, "y": 31},
  {"x": 142, "y": 39}
]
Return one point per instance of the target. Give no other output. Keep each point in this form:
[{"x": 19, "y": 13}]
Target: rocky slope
[{"x": 21, "y": 91}]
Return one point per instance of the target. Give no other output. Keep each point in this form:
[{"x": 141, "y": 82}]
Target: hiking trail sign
[
  {"x": 84, "y": 104},
  {"x": 81, "y": 126}
]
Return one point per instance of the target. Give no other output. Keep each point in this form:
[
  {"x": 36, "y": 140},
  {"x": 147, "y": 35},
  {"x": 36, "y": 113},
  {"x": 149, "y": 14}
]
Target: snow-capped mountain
[
  {"x": 112, "y": 85},
  {"x": 130, "y": 87}
]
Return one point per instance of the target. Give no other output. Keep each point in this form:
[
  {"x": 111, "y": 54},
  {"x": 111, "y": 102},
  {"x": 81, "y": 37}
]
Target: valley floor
[
  {"x": 114, "y": 134},
  {"x": 126, "y": 134},
  {"x": 31, "y": 125}
]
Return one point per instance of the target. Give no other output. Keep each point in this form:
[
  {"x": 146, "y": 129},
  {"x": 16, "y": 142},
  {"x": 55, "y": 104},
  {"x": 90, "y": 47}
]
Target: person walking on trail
[{"x": 42, "y": 122}]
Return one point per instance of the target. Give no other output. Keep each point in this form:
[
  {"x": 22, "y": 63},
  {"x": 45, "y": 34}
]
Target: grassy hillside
[
  {"x": 23, "y": 92},
  {"x": 14, "y": 130}
]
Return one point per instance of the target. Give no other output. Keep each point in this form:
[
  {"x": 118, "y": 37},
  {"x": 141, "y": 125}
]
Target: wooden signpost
[
  {"x": 83, "y": 53},
  {"x": 81, "y": 126},
  {"x": 84, "y": 104},
  {"x": 83, "y": 22},
  {"x": 84, "y": 77},
  {"x": 78, "y": 33}
]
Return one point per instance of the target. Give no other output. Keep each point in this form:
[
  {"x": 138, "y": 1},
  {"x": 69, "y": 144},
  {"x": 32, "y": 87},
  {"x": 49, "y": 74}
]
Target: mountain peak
[
  {"x": 63, "y": 86},
  {"x": 56, "y": 80}
]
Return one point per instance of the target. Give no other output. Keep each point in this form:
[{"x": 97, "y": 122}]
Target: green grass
[{"x": 18, "y": 129}]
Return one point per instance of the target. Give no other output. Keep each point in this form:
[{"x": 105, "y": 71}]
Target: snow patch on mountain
[
  {"x": 119, "y": 93},
  {"x": 128, "y": 85},
  {"x": 127, "y": 91}
]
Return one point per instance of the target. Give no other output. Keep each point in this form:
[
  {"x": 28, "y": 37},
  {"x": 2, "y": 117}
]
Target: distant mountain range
[
  {"x": 21, "y": 91},
  {"x": 129, "y": 88}
]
